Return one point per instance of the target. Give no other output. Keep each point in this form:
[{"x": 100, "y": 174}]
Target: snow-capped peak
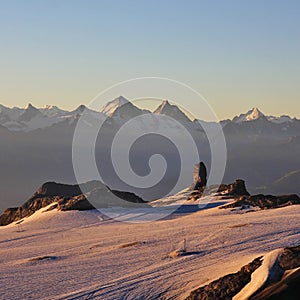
[
  {"x": 50, "y": 106},
  {"x": 29, "y": 113},
  {"x": 251, "y": 115},
  {"x": 165, "y": 108},
  {"x": 52, "y": 110},
  {"x": 165, "y": 105},
  {"x": 113, "y": 105},
  {"x": 254, "y": 115},
  {"x": 79, "y": 109},
  {"x": 29, "y": 106}
]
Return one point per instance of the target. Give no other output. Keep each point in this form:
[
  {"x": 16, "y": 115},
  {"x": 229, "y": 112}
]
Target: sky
[{"x": 237, "y": 54}]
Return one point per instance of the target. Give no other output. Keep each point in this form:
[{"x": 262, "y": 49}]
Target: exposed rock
[
  {"x": 70, "y": 197},
  {"x": 103, "y": 197},
  {"x": 226, "y": 287},
  {"x": 58, "y": 189},
  {"x": 177, "y": 253},
  {"x": 238, "y": 188},
  {"x": 201, "y": 178},
  {"x": 264, "y": 201},
  {"x": 74, "y": 203},
  {"x": 127, "y": 196},
  {"x": 290, "y": 258},
  {"x": 195, "y": 195},
  {"x": 286, "y": 289},
  {"x": 8, "y": 216},
  {"x": 28, "y": 208}
]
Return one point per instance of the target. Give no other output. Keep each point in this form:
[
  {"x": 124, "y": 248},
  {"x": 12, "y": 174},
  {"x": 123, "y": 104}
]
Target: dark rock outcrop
[
  {"x": 264, "y": 201},
  {"x": 290, "y": 258},
  {"x": 50, "y": 189},
  {"x": 79, "y": 202},
  {"x": 127, "y": 196},
  {"x": 8, "y": 216},
  {"x": 70, "y": 197},
  {"x": 233, "y": 190},
  {"x": 201, "y": 178},
  {"x": 286, "y": 289},
  {"x": 228, "y": 286},
  {"x": 238, "y": 188}
]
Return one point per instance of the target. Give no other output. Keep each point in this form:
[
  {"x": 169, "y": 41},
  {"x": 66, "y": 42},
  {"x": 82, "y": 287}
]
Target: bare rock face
[
  {"x": 50, "y": 189},
  {"x": 79, "y": 202},
  {"x": 290, "y": 258},
  {"x": 286, "y": 289},
  {"x": 200, "y": 178},
  {"x": 69, "y": 197},
  {"x": 238, "y": 188},
  {"x": 8, "y": 216},
  {"x": 264, "y": 201},
  {"x": 127, "y": 196}
]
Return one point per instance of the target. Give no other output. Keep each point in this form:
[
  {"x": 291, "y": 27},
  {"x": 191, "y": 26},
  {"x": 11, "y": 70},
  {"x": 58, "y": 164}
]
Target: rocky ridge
[
  {"x": 233, "y": 190},
  {"x": 264, "y": 201},
  {"x": 70, "y": 197}
]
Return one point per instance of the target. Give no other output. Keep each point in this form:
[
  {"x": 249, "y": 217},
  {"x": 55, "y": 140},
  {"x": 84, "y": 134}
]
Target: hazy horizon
[
  {"x": 146, "y": 105},
  {"x": 238, "y": 55}
]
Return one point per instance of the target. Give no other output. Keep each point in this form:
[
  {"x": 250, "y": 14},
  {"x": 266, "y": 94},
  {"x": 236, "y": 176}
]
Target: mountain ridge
[{"x": 120, "y": 109}]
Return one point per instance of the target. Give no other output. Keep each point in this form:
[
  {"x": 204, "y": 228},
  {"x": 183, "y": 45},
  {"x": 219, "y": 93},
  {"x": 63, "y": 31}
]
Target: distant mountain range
[
  {"x": 120, "y": 109},
  {"x": 255, "y": 114},
  {"x": 36, "y": 147}
]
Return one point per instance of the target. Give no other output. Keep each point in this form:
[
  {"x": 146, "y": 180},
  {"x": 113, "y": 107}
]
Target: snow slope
[
  {"x": 120, "y": 109},
  {"x": 83, "y": 255},
  {"x": 111, "y": 106},
  {"x": 251, "y": 115},
  {"x": 261, "y": 275},
  {"x": 31, "y": 118},
  {"x": 255, "y": 114}
]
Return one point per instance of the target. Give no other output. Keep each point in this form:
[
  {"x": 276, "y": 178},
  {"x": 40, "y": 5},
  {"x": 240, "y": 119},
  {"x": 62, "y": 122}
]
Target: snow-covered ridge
[
  {"x": 110, "y": 108},
  {"x": 255, "y": 114},
  {"x": 261, "y": 275},
  {"x": 30, "y": 117},
  {"x": 120, "y": 109}
]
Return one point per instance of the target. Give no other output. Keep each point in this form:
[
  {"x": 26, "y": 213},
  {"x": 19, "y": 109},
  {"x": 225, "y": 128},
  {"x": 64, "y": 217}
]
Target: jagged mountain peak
[
  {"x": 79, "y": 109},
  {"x": 29, "y": 113},
  {"x": 52, "y": 110},
  {"x": 165, "y": 103},
  {"x": 252, "y": 115},
  {"x": 50, "y": 106},
  {"x": 120, "y": 110},
  {"x": 111, "y": 106},
  {"x": 166, "y": 108},
  {"x": 29, "y": 106},
  {"x": 163, "y": 107},
  {"x": 120, "y": 99}
]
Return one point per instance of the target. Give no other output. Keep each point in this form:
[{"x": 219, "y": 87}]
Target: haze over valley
[{"x": 37, "y": 147}]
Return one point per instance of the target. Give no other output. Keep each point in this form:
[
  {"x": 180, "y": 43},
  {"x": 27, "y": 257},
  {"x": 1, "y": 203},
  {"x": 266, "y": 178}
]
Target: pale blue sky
[{"x": 238, "y": 54}]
